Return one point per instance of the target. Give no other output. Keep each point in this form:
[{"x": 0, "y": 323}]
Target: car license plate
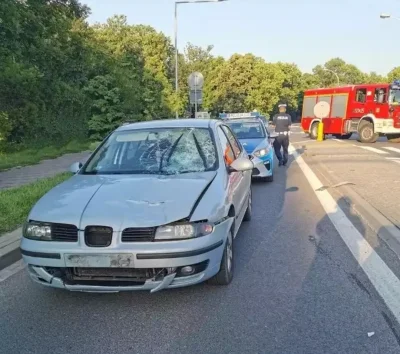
[{"x": 100, "y": 260}]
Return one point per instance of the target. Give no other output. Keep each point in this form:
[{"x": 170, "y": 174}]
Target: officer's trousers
[{"x": 281, "y": 141}]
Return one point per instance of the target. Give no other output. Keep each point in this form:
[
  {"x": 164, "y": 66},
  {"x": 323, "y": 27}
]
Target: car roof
[{"x": 170, "y": 123}]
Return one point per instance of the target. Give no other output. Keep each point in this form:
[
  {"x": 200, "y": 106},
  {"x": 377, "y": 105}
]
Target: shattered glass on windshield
[{"x": 155, "y": 151}]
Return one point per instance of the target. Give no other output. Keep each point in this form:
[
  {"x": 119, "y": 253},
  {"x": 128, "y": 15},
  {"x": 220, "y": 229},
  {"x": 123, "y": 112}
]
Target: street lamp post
[
  {"x": 337, "y": 76},
  {"x": 176, "y": 35}
]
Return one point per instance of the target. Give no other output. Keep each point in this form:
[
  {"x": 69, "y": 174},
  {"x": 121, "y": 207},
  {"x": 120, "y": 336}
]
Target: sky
[{"x": 305, "y": 32}]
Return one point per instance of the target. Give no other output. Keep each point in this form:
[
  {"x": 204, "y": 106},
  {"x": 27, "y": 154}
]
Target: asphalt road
[{"x": 297, "y": 289}]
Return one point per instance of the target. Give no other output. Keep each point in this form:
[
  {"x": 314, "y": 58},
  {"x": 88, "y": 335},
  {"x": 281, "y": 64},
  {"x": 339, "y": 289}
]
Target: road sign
[
  {"x": 202, "y": 115},
  {"x": 196, "y": 96},
  {"x": 196, "y": 81},
  {"x": 321, "y": 109}
]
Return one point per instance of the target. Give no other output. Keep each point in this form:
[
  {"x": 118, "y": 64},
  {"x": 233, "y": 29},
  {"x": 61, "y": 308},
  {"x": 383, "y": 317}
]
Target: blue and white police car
[{"x": 253, "y": 134}]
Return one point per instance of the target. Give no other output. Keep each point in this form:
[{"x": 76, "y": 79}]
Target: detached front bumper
[
  {"x": 149, "y": 266},
  {"x": 263, "y": 166}
]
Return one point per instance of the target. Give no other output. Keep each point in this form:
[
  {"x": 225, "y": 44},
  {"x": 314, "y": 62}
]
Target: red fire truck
[{"x": 370, "y": 110}]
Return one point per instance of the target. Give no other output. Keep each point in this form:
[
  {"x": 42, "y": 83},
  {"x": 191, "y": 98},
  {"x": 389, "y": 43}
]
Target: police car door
[{"x": 242, "y": 179}]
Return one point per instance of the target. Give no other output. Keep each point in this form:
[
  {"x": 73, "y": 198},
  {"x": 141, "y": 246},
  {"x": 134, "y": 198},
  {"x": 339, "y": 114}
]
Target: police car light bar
[{"x": 239, "y": 115}]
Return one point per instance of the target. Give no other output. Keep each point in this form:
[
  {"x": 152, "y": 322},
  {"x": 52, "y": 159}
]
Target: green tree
[
  {"x": 347, "y": 73},
  {"x": 374, "y": 78},
  {"x": 394, "y": 74}
]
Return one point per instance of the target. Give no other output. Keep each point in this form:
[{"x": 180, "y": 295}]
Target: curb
[{"x": 9, "y": 248}]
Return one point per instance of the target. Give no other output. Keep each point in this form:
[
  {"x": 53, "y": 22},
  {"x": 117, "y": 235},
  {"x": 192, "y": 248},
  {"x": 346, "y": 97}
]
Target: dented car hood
[{"x": 122, "y": 201}]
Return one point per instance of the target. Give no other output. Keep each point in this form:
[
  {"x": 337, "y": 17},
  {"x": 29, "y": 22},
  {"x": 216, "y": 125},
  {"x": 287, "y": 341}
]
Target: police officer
[{"x": 282, "y": 122}]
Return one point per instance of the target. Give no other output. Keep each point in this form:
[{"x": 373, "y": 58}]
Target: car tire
[
  {"x": 247, "y": 214},
  {"x": 314, "y": 130},
  {"x": 225, "y": 274},
  {"x": 366, "y": 132}
]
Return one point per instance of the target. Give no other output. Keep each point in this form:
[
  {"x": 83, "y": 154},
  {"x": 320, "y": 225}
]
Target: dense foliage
[{"x": 61, "y": 79}]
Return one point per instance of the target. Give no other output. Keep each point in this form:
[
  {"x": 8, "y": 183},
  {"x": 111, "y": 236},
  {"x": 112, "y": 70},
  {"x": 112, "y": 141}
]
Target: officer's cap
[{"x": 282, "y": 105}]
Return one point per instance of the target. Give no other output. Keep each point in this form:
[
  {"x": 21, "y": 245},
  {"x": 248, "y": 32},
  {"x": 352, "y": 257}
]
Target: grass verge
[
  {"x": 15, "y": 203},
  {"x": 34, "y": 156}
]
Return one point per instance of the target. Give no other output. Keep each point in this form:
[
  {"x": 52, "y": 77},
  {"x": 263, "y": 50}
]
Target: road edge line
[{"x": 380, "y": 275}]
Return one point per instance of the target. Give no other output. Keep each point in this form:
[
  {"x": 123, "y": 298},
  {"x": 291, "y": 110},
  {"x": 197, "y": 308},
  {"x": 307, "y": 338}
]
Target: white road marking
[
  {"x": 392, "y": 158},
  {"x": 392, "y": 149},
  {"x": 380, "y": 275},
  {"x": 338, "y": 140},
  {"x": 369, "y": 148},
  {"x": 11, "y": 270}
]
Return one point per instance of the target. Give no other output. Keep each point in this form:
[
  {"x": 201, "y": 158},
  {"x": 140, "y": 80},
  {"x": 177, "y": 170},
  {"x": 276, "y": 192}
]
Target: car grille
[
  {"x": 121, "y": 274},
  {"x": 98, "y": 236},
  {"x": 138, "y": 234},
  {"x": 64, "y": 233}
]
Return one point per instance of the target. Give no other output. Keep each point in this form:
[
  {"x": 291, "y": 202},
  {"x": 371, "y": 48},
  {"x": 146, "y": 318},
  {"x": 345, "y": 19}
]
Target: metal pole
[
  {"x": 337, "y": 76},
  {"x": 195, "y": 102},
  {"x": 195, "y": 94},
  {"x": 176, "y": 54}
]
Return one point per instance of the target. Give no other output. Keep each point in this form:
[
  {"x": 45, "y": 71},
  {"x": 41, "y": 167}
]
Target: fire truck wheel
[
  {"x": 314, "y": 131},
  {"x": 366, "y": 132},
  {"x": 394, "y": 138}
]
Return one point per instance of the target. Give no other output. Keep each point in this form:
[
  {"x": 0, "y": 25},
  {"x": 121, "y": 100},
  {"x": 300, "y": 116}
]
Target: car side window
[
  {"x": 235, "y": 145},
  {"x": 229, "y": 155}
]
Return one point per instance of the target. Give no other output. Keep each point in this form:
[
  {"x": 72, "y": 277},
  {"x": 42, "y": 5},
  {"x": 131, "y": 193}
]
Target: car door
[{"x": 241, "y": 193}]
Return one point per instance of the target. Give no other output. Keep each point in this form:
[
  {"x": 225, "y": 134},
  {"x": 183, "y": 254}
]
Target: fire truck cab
[{"x": 371, "y": 110}]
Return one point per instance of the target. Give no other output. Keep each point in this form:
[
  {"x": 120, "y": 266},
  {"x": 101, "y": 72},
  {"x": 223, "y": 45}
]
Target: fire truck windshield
[{"x": 394, "y": 97}]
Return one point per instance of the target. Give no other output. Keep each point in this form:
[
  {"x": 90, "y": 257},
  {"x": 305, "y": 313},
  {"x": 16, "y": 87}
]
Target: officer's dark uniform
[{"x": 282, "y": 122}]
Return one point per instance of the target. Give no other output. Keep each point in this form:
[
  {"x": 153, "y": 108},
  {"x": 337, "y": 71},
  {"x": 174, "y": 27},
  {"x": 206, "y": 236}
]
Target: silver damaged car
[{"x": 156, "y": 206}]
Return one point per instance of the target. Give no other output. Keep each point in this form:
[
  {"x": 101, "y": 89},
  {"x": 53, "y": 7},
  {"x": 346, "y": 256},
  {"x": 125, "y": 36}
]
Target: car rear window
[{"x": 247, "y": 130}]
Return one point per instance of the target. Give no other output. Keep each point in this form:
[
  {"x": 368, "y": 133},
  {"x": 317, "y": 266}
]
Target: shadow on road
[{"x": 338, "y": 296}]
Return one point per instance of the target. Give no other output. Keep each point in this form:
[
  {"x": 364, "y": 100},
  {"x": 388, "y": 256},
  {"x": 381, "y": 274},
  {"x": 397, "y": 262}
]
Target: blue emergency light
[{"x": 395, "y": 85}]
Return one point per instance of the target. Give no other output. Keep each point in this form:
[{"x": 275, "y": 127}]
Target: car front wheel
[
  {"x": 225, "y": 274},
  {"x": 247, "y": 214}
]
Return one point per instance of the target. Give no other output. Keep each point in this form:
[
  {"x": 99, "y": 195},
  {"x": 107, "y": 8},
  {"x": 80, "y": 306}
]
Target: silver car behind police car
[{"x": 156, "y": 206}]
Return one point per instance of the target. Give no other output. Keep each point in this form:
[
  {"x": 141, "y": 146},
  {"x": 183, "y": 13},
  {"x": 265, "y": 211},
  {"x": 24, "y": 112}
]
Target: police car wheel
[
  {"x": 247, "y": 214},
  {"x": 225, "y": 274}
]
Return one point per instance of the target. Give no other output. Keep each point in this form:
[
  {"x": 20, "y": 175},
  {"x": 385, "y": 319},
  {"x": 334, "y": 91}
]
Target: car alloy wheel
[
  {"x": 229, "y": 253},
  {"x": 247, "y": 214},
  {"x": 225, "y": 274}
]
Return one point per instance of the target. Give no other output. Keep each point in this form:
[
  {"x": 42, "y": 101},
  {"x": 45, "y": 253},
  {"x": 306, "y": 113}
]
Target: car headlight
[
  {"x": 261, "y": 152},
  {"x": 37, "y": 231},
  {"x": 183, "y": 231}
]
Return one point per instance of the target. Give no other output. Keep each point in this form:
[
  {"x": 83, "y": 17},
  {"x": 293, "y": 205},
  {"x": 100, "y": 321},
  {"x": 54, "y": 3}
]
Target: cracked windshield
[
  {"x": 158, "y": 151},
  {"x": 199, "y": 176}
]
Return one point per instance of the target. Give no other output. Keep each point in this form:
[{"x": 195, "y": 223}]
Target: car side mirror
[
  {"x": 241, "y": 164},
  {"x": 75, "y": 167}
]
